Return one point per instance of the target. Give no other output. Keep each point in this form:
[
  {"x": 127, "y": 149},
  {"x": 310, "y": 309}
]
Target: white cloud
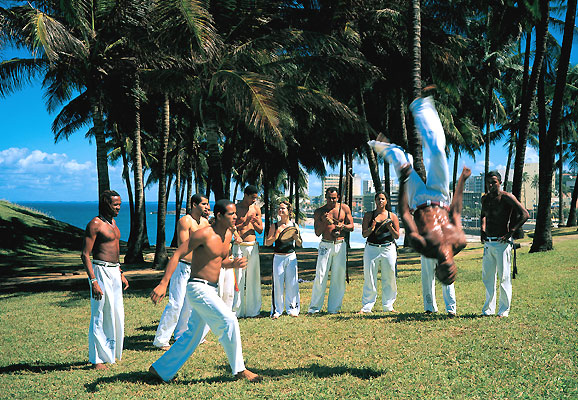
[
  {"x": 531, "y": 155},
  {"x": 38, "y": 175},
  {"x": 11, "y": 155}
]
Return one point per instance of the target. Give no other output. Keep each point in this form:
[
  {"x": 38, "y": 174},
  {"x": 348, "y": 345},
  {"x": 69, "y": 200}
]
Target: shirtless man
[
  {"x": 247, "y": 299},
  {"x": 498, "y": 224},
  {"x": 435, "y": 228},
  {"x": 210, "y": 247},
  {"x": 330, "y": 221},
  {"x": 101, "y": 239},
  {"x": 176, "y": 313}
]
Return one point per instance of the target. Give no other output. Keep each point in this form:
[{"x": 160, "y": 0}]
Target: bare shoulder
[
  {"x": 204, "y": 222},
  {"x": 346, "y": 208},
  {"x": 256, "y": 208},
  {"x": 186, "y": 221},
  {"x": 94, "y": 225}
]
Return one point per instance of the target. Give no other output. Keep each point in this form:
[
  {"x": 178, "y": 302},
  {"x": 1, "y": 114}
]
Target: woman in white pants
[
  {"x": 381, "y": 228},
  {"x": 284, "y": 265}
]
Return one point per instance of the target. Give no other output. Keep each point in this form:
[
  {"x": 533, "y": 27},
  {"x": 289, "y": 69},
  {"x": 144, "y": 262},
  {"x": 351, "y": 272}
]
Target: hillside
[{"x": 25, "y": 231}]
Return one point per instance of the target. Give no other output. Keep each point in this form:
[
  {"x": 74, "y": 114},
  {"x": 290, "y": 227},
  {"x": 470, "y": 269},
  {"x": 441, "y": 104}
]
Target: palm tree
[
  {"x": 543, "y": 235},
  {"x": 529, "y": 96}
]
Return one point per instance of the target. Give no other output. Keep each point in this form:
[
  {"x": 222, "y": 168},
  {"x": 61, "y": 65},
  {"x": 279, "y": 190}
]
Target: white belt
[
  {"x": 105, "y": 263},
  {"x": 379, "y": 245},
  {"x": 336, "y": 241},
  {"x": 247, "y": 243}
]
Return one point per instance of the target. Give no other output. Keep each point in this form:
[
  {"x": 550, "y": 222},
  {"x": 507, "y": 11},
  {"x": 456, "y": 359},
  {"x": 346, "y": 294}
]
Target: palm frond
[
  {"x": 16, "y": 72},
  {"x": 255, "y": 102}
]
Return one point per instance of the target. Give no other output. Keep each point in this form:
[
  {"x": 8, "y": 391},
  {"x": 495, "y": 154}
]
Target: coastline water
[{"x": 80, "y": 213}]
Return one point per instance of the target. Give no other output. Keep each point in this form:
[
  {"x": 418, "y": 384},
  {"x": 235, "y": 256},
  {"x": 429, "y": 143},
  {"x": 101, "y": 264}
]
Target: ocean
[{"x": 80, "y": 213}]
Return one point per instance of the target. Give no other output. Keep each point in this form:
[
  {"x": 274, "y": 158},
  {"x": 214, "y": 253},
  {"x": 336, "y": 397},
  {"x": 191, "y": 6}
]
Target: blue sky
[{"x": 34, "y": 168}]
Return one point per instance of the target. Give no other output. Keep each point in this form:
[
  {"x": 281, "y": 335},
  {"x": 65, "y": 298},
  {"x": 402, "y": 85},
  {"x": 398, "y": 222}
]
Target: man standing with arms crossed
[
  {"x": 498, "y": 224},
  {"x": 331, "y": 221},
  {"x": 210, "y": 247},
  {"x": 101, "y": 239},
  {"x": 247, "y": 300},
  {"x": 176, "y": 313}
]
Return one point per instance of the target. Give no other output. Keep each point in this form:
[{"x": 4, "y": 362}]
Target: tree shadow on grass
[
  {"x": 315, "y": 370},
  {"x": 407, "y": 317},
  {"x": 41, "y": 368}
]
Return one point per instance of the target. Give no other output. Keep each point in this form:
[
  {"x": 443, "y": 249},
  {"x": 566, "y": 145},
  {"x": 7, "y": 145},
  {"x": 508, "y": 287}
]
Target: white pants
[
  {"x": 437, "y": 183},
  {"x": 330, "y": 256},
  {"x": 177, "y": 312},
  {"x": 497, "y": 258},
  {"x": 106, "y": 329},
  {"x": 247, "y": 301},
  {"x": 374, "y": 258},
  {"x": 207, "y": 309},
  {"x": 285, "y": 283},
  {"x": 428, "y": 288},
  {"x": 227, "y": 279}
]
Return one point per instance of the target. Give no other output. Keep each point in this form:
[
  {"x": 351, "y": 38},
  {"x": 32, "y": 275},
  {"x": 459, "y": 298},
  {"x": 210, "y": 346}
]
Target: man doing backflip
[
  {"x": 435, "y": 228},
  {"x": 101, "y": 239},
  {"x": 330, "y": 221},
  {"x": 176, "y": 313},
  {"x": 210, "y": 247},
  {"x": 498, "y": 224}
]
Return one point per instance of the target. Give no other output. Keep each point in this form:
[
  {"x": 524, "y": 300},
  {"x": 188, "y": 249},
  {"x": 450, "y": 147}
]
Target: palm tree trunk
[
  {"x": 572, "y": 212},
  {"x": 145, "y": 239},
  {"x": 414, "y": 140},
  {"x": 402, "y": 118},
  {"x": 386, "y": 184},
  {"x": 543, "y": 240},
  {"x": 544, "y": 214},
  {"x": 135, "y": 243},
  {"x": 528, "y": 100},
  {"x": 125, "y": 172},
  {"x": 560, "y": 194},
  {"x": 369, "y": 153},
  {"x": 266, "y": 189},
  {"x": 297, "y": 188},
  {"x": 101, "y": 153},
  {"x": 455, "y": 173},
  {"x": 488, "y": 123},
  {"x": 509, "y": 161},
  {"x": 349, "y": 180},
  {"x": 189, "y": 187},
  {"x": 178, "y": 199},
  {"x": 214, "y": 158},
  {"x": 161, "y": 256}
]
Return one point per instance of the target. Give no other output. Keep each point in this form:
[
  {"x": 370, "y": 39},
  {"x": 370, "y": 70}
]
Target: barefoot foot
[
  {"x": 250, "y": 376},
  {"x": 100, "y": 367}
]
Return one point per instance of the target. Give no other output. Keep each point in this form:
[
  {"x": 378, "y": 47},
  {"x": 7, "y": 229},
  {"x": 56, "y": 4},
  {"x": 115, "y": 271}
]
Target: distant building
[
  {"x": 333, "y": 180},
  {"x": 475, "y": 184},
  {"x": 369, "y": 187}
]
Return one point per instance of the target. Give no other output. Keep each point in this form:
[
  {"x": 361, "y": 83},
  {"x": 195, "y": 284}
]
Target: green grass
[{"x": 531, "y": 354}]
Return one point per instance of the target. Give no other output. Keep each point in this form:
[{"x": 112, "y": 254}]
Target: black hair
[
  {"x": 221, "y": 206},
  {"x": 250, "y": 190},
  {"x": 332, "y": 189},
  {"x": 197, "y": 198},
  {"x": 105, "y": 202},
  {"x": 381, "y": 192},
  {"x": 496, "y": 174}
]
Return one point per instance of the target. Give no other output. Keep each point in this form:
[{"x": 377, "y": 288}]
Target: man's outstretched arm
[{"x": 457, "y": 201}]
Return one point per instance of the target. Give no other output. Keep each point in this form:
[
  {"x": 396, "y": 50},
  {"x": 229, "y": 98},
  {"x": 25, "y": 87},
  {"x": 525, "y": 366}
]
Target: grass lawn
[{"x": 531, "y": 354}]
